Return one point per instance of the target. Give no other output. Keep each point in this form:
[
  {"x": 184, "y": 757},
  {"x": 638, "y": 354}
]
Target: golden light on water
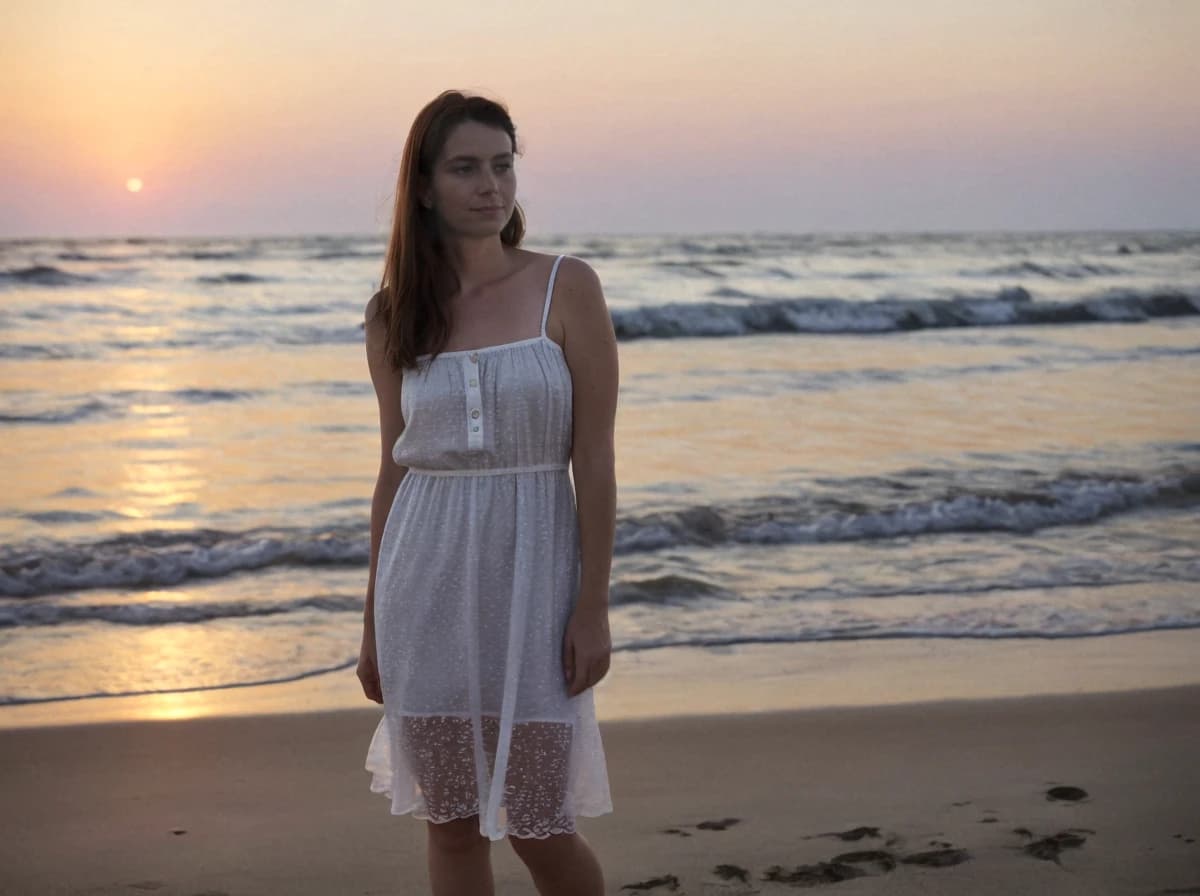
[{"x": 134, "y": 185}]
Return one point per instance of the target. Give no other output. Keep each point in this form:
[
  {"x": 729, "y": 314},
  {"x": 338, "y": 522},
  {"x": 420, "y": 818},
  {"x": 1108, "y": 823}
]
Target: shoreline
[{"x": 749, "y": 678}]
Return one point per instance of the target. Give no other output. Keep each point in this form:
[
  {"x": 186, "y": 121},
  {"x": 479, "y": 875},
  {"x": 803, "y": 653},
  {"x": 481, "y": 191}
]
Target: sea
[{"x": 820, "y": 437}]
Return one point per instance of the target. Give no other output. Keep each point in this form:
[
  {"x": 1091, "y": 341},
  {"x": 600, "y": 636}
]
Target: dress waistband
[{"x": 488, "y": 471}]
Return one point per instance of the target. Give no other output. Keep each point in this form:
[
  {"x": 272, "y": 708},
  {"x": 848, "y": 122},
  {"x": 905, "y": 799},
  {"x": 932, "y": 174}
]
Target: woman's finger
[
  {"x": 585, "y": 677},
  {"x": 579, "y": 672},
  {"x": 568, "y": 659},
  {"x": 371, "y": 685}
]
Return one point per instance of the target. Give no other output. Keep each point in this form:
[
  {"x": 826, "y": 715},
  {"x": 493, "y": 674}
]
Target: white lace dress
[{"x": 477, "y": 575}]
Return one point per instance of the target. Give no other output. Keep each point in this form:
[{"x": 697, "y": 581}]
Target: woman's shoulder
[
  {"x": 573, "y": 274},
  {"x": 372, "y": 307},
  {"x": 570, "y": 264},
  {"x": 578, "y": 281},
  {"x": 373, "y": 323},
  {"x": 579, "y": 302}
]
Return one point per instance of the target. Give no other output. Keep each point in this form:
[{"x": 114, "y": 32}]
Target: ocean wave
[
  {"x": 65, "y": 310},
  {"x": 1007, "y": 307},
  {"x": 1163, "y": 243},
  {"x": 657, "y": 590},
  {"x": 698, "y": 267},
  {"x": 113, "y": 405},
  {"x": 747, "y": 315},
  {"x": 214, "y": 254},
  {"x": 167, "y": 612},
  {"x": 16, "y": 351},
  {"x": 159, "y": 558},
  {"x": 73, "y": 413},
  {"x": 852, "y": 632},
  {"x": 803, "y": 519},
  {"x": 88, "y": 256},
  {"x": 234, "y": 277},
  {"x": 1063, "y": 271},
  {"x": 338, "y": 254},
  {"x": 43, "y": 275}
]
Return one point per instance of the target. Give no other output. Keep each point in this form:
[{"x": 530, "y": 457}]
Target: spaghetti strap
[{"x": 550, "y": 292}]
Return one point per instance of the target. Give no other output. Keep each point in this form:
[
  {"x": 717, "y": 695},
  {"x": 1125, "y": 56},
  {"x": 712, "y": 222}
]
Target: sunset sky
[{"x": 246, "y": 117}]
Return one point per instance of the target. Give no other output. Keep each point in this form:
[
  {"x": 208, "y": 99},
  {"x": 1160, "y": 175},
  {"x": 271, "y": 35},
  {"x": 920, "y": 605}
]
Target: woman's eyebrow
[{"x": 462, "y": 158}]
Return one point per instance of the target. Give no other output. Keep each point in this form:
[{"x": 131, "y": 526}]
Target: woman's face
[{"x": 474, "y": 181}]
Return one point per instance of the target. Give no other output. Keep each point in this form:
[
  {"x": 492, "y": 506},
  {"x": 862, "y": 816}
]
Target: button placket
[{"x": 474, "y": 400}]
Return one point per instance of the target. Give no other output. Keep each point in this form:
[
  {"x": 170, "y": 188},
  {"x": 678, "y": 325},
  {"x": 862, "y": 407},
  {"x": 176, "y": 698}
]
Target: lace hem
[{"x": 541, "y": 832}]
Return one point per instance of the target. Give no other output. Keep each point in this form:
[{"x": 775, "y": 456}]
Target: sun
[{"x": 134, "y": 185}]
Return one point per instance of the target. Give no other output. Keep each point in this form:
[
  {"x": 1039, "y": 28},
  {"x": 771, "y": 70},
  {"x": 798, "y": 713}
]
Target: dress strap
[{"x": 550, "y": 292}]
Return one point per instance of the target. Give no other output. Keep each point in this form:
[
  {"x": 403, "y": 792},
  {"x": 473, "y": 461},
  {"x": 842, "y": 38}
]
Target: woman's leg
[
  {"x": 460, "y": 859},
  {"x": 561, "y": 864}
]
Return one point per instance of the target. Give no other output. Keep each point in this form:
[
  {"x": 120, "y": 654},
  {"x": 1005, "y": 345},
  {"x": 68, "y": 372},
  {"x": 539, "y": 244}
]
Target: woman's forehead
[{"x": 469, "y": 138}]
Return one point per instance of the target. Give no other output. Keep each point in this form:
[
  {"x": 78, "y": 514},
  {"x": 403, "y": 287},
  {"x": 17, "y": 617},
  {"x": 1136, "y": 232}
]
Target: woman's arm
[
  {"x": 590, "y": 346},
  {"x": 381, "y": 503},
  {"x": 391, "y": 424}
]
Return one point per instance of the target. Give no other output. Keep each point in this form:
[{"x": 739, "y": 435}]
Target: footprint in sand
[
  {"x": 811, "y": 875},
  {"x": 845, "y": 866},
  {"x": 882, "y": 860},
  {"x": 857, "y": 834},
  {"x": 849, "y": 865},
  {"x": 852, "y": 834},
  {"x": 670, "y": 881},
  {"x": 1049, "y": 848},
  {"x": 1066, "y": 793},
  {"x": 937, "y": 858},
  {"x": 715, "y": 825},
  {"x": 732, "y": 872}
]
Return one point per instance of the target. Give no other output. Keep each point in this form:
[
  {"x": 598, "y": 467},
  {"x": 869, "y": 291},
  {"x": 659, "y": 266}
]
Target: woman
[{"x": 486, "y": 620}]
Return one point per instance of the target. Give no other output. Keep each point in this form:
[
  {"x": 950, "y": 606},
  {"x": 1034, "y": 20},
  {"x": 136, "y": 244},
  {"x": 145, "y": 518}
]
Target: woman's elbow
[{"x": 596, "y": 460}]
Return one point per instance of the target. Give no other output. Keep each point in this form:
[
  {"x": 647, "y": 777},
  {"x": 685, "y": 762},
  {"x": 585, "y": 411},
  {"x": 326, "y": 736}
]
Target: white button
[
  {"x": 474, "y": 382},
  {"x": 474, "y": 429},
  {"x": 474, "y": 357},
  {"x": 474, "y": 412}
]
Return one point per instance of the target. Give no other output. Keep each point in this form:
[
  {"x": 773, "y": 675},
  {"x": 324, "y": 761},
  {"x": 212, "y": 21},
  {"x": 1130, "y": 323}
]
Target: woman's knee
[
  {"x": 543, "y": 849},
  {"x": 457, "y": 835}
]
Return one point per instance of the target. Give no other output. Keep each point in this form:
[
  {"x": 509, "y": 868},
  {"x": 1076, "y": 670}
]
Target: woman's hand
[
  {"x": 587, "y": 648},
  {"x": 368, "y": 667}
]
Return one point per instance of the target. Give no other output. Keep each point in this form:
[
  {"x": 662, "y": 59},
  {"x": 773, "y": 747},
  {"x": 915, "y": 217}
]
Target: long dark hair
[{"x": 416, "y": 275}]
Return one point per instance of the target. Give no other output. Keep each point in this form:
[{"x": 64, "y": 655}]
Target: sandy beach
[{"x": 1086, "y": 793}]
